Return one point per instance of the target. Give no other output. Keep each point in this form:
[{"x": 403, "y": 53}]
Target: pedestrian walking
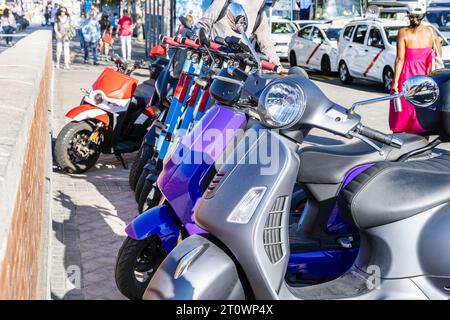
[
  {"x": 106, "y": 40},
  {"x": 78, "y": 23},
  {"x": 8, "y": 24},
  {"x": 91, "y": 34},
  {"x": 419, "y": 50},
  {"x": 125, "y": 31},
  {"x": 64, "y": 32}
]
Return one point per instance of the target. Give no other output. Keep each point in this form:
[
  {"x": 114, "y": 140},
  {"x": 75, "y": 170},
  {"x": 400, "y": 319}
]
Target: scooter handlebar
[
  {"x": 170, "y": 41},
  {"x": 376, "y": 135}
]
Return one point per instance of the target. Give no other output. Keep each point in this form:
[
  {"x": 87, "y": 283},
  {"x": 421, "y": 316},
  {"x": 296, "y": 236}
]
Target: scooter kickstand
[{"x": 119, "y": 156}]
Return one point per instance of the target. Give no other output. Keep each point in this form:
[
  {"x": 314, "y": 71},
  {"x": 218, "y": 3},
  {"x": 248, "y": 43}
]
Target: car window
[
  {"x": 282, "y": 28},
  {"x": 316, "y": 34},
  {"x": 375, "y": 39},
  {"x": 392, "y": 34},
  {"x": 332, "y": 33},
  {"x": 360, "y": 34},
  {"x": 348, "y": 33},
  {"x": 304, "y": 33}
]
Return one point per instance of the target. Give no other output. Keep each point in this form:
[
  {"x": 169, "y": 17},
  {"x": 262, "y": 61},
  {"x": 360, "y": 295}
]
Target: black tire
[
  {"x": 293, "y": 59},
  {"x": 344, "y": 74},
  {"x": 150, "y": 196},
  {"x": 72, "y": 161},
  {"x": 325, "y": 65},
  {"x": 144, "y": 154},
  {"x": 140, "y": 184},
  {"x": 128, "y": 268},
  {"x": 388, "y": 77}
]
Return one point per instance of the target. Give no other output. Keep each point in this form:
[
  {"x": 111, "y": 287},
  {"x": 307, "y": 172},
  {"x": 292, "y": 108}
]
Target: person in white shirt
[{"x": 8, "y": 24}]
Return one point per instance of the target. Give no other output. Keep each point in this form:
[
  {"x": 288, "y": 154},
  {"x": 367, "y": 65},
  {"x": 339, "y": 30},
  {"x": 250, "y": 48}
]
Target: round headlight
[{"x": 281, "y": 104}]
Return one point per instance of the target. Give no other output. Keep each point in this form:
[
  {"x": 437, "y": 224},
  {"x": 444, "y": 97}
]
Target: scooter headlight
[{"x": 281, "y": 104}]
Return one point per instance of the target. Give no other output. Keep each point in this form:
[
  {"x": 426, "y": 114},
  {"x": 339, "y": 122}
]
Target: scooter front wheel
[
  {"x": 150, "y": 196},
  {"x": 74, "y": 150},
  {"x": 136, "y": 263},
  {"x": 140, "y": 184}
]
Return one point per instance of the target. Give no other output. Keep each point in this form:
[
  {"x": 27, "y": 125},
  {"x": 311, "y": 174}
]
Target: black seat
[
  {"x": 329, "y": 164},
  {"x": 392, "y": 191}
]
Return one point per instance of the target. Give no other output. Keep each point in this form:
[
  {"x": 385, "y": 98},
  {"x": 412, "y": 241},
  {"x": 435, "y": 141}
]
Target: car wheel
[
  {"x": 344, "y": 74},
  {"x": 293, "y": 59},
  {"x": 325, "y": 65},
  {"x": 388, "y": 78}
]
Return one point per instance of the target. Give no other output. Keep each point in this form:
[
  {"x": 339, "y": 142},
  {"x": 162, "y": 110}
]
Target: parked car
[
  {"x": 315, "y": 47},
  {"x": 368, "y": 48},
  {"x": 21, "y": 22},
  {"x": 282, "y": 32}
]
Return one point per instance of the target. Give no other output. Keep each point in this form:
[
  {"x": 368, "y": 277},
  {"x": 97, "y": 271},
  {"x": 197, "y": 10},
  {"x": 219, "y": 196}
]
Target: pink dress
[{"x": 418, "y": 61}]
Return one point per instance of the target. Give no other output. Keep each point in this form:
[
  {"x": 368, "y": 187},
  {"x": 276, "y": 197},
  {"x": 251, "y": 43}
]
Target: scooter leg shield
[
  {"x": 87, "y": 111},
  {"x": 196, "y": 269},
  {"x": 159, "y": 220}
]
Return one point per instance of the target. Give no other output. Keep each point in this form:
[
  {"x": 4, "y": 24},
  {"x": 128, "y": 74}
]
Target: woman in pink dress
[{"x": 417, "y": 46}]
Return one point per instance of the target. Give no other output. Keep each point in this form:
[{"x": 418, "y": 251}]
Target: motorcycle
[
  {"x": 112, "y": 118},
  {"x": 247, "y": 249}
]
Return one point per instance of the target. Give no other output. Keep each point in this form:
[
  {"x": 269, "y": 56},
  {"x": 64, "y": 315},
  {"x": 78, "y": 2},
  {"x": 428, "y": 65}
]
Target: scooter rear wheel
[
  {"x": 145, "y": 153},
  {"x": 74, "y": 152},
  {"x": 136, "y": 263},
  {"x": 150, "y": 196}
]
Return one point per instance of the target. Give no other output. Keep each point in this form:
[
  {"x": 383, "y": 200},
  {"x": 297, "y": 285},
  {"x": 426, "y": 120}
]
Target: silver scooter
[{"x": 401, "y": 209}]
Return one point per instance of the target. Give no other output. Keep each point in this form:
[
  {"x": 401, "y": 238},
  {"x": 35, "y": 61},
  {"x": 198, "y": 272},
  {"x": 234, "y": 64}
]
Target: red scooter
[{"x": 113, "y": 118}]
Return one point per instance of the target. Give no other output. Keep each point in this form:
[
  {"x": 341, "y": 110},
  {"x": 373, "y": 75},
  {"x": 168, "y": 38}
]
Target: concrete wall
[{"x": 25, "y": 80}]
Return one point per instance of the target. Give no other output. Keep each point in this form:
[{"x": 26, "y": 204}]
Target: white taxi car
[
  {"x": 282, "y": 32},
  {"x": 315, "y": 47},
  {"x": 368, "y": 48}
]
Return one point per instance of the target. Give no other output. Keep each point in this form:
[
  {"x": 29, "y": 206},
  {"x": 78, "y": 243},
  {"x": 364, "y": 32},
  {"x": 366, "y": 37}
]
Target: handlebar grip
[
  {"x": 170, "y": 41},
  {"x": 376, "y": 135},
  {"x": 190, "y": 43},
  {"x": 266, "y": 65},
  {"x": 215, "y": 46}
]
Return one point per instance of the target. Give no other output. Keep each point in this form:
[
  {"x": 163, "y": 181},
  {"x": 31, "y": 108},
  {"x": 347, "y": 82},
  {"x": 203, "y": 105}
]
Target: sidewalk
[{"x": 89, "y": 211}]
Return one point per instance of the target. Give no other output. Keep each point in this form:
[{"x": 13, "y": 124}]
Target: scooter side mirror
[
  {"x": 421, "y": 91},
  {"x": 237, "y": 18},
  {"x": 185, "y": 22},
  {"x": 204, "y": 39}
]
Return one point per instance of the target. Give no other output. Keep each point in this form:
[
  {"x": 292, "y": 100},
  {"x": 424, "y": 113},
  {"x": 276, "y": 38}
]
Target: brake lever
[{"x": 367, "y": 141}]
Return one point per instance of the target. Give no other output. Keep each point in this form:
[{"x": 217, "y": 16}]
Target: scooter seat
[
  {"x": 329, "y": 164},
  {"x": 404, "y": 188}
]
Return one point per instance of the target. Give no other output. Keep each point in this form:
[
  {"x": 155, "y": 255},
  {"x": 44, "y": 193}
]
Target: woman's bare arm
[{"x": 399, "y": 61}]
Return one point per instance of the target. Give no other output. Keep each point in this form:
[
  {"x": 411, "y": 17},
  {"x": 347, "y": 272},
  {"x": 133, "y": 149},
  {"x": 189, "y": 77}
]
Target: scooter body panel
[
  {"x": 88, "y": 111},
  {"x": 158, "y": 220},
  {"x": 259, "y": 245},
  {"x": 181, "y": 178},
  {"x": 196, "y": 269}
]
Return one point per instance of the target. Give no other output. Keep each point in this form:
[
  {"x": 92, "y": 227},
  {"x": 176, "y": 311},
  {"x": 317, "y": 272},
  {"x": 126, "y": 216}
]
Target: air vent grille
[{"x": 273, "y": 230}]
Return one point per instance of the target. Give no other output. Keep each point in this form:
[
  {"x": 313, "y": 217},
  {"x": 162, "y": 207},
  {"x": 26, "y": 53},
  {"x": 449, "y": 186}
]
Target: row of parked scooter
[{"x": 235, "y": 205}]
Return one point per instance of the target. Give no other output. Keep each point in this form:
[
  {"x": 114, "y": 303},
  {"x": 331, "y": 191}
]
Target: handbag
[{"x": 438, "y": 63}]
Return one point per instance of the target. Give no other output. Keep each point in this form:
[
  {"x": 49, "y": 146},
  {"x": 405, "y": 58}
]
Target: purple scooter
[{"x": 188, "y": 170}]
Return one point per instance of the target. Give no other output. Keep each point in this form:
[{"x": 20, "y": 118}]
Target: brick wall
[{"x": 22, "y": 261}]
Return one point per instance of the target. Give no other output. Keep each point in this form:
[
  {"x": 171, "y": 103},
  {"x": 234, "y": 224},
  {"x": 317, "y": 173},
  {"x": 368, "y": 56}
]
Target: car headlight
[{"x": 281, "y": 104}]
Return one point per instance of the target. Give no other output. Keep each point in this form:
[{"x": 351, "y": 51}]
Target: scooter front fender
[
  {"x": 196, "y": 269},
  {"x": 88, "y": 111},
  {"x": 158, "y": 220}
]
